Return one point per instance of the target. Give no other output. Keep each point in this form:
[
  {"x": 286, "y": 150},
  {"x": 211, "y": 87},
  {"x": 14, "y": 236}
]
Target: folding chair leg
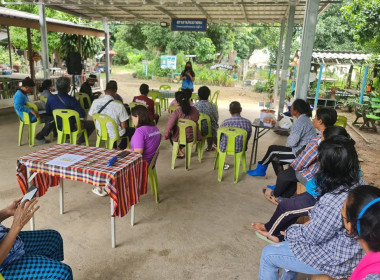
[
  {"x": 175, "y": 152},
  {"x": 188, "y": 155},
  {"x": 222, "y": 159},
  {"x": 20, "y": 130}
]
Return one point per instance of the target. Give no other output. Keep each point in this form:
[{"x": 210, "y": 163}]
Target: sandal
[
  {"x": 181, "y": 157},
  {"x": 268, "y": 194},
  {"x": 210, "y": 149},
  {"x": 262, "y": 237}
]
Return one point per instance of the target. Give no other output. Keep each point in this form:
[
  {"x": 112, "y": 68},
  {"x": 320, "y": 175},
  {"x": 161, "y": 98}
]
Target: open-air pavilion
[{"x": 201, "y": 227}]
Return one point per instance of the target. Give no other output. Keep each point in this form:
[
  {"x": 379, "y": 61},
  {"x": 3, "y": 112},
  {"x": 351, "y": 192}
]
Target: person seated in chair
[
  {"x": 185, "y": 111},
  {"x": 63, "y": 100},
  {"x": 289, "y": 210},
  {"x": 86, "y": 87},
  {"x": 147, "y": 136},
  {"x": 301, "y": 133},
  {"x": 30, "y": 254},
  {"x": 305, "y": 165},
  {"x": 206, "y": 107},
  {"x": 20, "y": 98},
  {"x": 108, "y": 106},
  {"x": 238, "y": 121},
  {"x": 144, "y": 99},
  {"x": 321, "y": 246},
  {"x": 360, "y": 216}
]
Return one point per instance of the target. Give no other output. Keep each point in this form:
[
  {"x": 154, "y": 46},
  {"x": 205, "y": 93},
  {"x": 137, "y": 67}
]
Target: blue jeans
[{"x": 279, "y": 255}]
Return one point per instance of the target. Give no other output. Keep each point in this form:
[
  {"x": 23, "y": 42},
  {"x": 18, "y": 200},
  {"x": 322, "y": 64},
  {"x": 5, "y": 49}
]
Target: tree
[
  {"x": 205, "y": 50},
  {"x": 333, "y": 32},
  {"x": 364, "y": 17}
]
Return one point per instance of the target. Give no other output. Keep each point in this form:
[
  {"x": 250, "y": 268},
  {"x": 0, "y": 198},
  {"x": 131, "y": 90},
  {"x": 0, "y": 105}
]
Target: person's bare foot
[
  {"x": 258, "y": 227},
  {"x": 270, "y": 237},
  {"x": 180, "y": 154}
]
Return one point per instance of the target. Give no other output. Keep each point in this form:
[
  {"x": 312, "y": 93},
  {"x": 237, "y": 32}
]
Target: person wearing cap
[
  {"x": 87, "y": 87},
  {"x": 21, "y": 98}
]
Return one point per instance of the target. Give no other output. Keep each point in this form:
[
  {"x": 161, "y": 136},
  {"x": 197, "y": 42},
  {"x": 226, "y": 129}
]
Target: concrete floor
[{"x": 199, "y": 230}]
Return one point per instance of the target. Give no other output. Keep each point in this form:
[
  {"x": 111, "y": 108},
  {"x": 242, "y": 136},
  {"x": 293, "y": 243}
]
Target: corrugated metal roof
[
  {"x": 216, "y": 11},
  {"x": 23, "y": 19},
  {"x": 341, "y": 55}
]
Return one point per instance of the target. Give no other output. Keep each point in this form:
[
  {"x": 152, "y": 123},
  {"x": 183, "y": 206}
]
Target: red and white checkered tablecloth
[{"x": 125, "y": 181}]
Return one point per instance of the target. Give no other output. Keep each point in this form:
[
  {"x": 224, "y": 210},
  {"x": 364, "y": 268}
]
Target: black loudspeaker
[{"x": 74, "y": 63}]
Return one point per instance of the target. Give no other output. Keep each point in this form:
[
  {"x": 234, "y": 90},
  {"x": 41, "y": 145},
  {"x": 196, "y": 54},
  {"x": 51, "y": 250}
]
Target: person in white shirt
[{"x": 108, "y": 106}]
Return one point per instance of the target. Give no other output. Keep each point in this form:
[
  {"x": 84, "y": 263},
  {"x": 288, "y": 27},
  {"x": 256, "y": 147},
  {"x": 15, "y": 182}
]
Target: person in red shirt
[{"x": 144, "y": 99}]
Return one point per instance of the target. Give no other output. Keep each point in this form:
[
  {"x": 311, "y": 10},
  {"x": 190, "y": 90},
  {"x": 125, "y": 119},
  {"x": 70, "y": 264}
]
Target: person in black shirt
[{"x": 86, "y": 87}]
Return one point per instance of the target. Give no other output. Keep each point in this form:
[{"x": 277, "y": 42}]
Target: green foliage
[
  {"x": 333, "y": 32},
  {"x": 90, "y": 45},
  {"x": 364, "y": 17},
  {"x": 205, "y": 50},
  {"x": 4, "y": 55}
]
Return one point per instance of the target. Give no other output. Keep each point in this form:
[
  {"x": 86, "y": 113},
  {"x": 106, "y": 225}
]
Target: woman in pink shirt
[
  {"x": 185, "y": 111},
  {"x": 360, "y": 214},
  {"x": 147, "y": 136}
]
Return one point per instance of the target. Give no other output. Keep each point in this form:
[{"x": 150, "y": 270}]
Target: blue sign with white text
[{"x": 189, "y": 24}]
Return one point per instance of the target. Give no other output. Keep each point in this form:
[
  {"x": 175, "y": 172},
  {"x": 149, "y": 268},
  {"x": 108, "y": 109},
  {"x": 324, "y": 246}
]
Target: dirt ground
[{"x": 199, "y": 230}]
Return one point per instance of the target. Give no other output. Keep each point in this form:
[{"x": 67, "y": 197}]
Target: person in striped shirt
[{"x": 305, "y": 164}]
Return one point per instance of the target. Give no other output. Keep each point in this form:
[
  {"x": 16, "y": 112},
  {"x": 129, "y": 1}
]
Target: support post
[
  {"x": 30, "y": 55},
  {"x": 132, "y": 215},
  {"x": 318, "y": 86},
  {"x": 285, "y": 64},
  {"x": 44, "y": 41},
  {"x": 363, "y": 84},
  {"x": 278, "y": 62},
  {"x": 308, "y": 37},
  {"x": 107, "y": 47},
  {"x": 9, "y": 48}
]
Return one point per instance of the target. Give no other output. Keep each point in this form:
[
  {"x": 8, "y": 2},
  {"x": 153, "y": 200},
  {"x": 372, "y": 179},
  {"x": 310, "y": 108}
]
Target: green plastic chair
[
  {"x": 173, "y": 108},
  {"x": 103, "y": 120},
  {"x": 201, "y": 144},
  {"x": 1, "y": 277},
  {"x": 194, "y": 97},
  {"x": 32, "y": 125},
  {"x": 165, "y": 100},
  {"x": 43, "y": 98},
  {"x": 84, "y": 100},
  {"x": 152, "y": 173},
  {"x": 182, "y": 125},
  {"x": 231, "y": 133},
  {"x": 156, "y": 97},
  {"x": 131, "y": 106},
  {"x": 118, "y": 101},
  {"x": 64, "y": 115},
  {"x": 214, "y": 98},
  {"x": 341, "y": 121}
]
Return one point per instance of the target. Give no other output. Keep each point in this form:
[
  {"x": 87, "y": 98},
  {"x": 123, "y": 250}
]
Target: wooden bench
[{"x": 369, "y": 119}]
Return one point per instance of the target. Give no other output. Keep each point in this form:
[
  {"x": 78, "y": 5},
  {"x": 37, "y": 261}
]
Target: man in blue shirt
[
  {"x": 63, "y": 100},
  {"x": 20, "y": 99}
]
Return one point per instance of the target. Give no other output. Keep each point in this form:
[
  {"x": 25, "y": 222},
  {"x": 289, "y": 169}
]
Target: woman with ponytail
[{"x": 185, "y": 111}]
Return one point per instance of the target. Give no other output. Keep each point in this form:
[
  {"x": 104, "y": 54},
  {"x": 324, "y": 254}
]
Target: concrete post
[
  {"x": 9, "y": 48},
  {"x": 364, "y": 82},
  {"x": 318, "y": 86},
  {"x": 107, "y": 54},
  {"x": 285, "y": 64},
  {"x": 308, "y": 37},
  {"x": 44, "y": 41},
  {"x": 278, "y": 63}
]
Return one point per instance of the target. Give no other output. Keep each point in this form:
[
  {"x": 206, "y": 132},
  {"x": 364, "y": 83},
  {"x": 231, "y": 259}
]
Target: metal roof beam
[{"x": 201, "y": 9}]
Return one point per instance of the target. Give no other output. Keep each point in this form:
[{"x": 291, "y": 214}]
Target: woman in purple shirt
[{"x": 147, "y": 136}]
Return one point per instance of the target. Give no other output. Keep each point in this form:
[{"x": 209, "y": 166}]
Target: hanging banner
[
  {"x": 169, "y": 62},
  {"x": 189, "y": 24}
]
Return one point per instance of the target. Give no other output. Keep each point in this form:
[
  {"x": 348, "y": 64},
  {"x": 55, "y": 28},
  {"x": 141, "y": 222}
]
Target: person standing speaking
[{"x": 188, "y": 77}]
